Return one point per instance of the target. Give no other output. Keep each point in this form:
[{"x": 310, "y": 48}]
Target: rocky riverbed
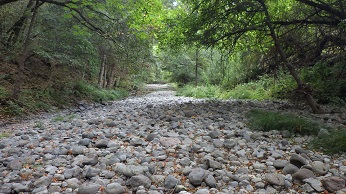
[{"x": 161, "y": 143}]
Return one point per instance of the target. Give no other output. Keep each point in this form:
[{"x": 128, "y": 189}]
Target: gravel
[{"x": 160, "y": 143}]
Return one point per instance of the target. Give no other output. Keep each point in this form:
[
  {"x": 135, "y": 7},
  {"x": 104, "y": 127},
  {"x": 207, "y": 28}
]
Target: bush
[
  {"x": 3, "y": 93},
  {"x": 333, "y": 143},
  {"x": 267, "y": 121},
  {"x": 328, "y": 80},
  {"x": 89, "y": 92},
  {"x": 4, "y": 135},
  {"x": 200, "y": 91}
]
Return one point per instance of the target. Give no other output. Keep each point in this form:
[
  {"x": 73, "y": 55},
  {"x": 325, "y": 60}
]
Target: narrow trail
[{"x": 160, "y": 143}]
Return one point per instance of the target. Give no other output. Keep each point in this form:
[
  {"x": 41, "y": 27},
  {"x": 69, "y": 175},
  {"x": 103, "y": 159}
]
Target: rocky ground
[{"x": 160, "y": 143}]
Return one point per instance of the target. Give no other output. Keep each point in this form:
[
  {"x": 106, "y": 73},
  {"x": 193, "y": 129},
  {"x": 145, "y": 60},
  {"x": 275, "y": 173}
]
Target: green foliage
[
  {"x": 328, "y": 81},
  {"x": 267, "y": 87},
  {"x": 333, "y": 143},
  {"x": 199, "y": 91},
  {"x": 12, "y": 108},
  {"x": 61, "y": 118},
  {"x": 86, "y": 91},
  {"x": 267, "y": 121},
  {"x": 3, "y": 92},
  {"x": 4, "y": 135},
  {"x": 39, "y": 125}
]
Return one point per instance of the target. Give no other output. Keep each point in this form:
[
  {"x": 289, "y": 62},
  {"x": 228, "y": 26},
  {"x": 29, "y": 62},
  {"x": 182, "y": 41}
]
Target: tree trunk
[
  {"x": 21, "y": 58},
  {"x": 102, "y": 72},
  {"x": 112, "y": 77},
  {"x": 306, "y": 89},
  {"x": 15, "y": 31},
  {"x": 196, "y": 69}
]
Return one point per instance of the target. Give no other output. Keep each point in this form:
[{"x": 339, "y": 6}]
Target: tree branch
[
  {"x": 324, "y": 7},
  {"x": 4, "y": 2},
  {"x": 307, "y": 22}
]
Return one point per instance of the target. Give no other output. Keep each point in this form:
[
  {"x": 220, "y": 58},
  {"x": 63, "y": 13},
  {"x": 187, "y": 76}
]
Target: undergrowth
[
  {"x": 267, "y": 87},
  {"x": 334, "y": 142},
  {"x": 36, "y": 100},
  {"x": 4, "y": 135},
  {"x": 268, "y": 121}
]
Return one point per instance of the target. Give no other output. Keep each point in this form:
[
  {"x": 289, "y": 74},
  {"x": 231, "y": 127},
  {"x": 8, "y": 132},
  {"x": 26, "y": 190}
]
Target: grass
[
  {"x": 267, "y": 121},
  {"x": 200, "y": 91},
  {"x": 90, "y": 92},
  {"x": 252, "y": 90},
  {"x": 60, "y": 118},
  {"x": 4, "y": 135},
  {"x": 333, "y": 143},
  {"x": 36, "y": 100}
]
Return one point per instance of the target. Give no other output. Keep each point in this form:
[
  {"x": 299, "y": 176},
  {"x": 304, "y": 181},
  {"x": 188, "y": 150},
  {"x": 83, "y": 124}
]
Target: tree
[
  {"x": 66, "y": 35},
  {"x": 227, "y": 24}
]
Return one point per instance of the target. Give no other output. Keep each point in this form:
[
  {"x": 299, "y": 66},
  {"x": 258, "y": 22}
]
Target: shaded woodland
[{"x": 54, "y": 53}]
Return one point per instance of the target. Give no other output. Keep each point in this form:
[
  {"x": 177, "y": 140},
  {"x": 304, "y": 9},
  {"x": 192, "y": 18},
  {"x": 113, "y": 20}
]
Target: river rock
[
  {"x": 197, "y": 176},
  {"x": 302, "y": 174},
  {"x": 139, "y": 180},
  {"x": 115, "y": 188},
  {"x": 88, "y": 188},
  {"x": 333, "y": 183},
  {"x": 297, "y": 160},
  {"x": 275, "y": 179}
]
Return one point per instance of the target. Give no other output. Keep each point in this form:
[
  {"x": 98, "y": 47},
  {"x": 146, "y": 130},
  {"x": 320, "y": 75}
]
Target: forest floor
[{"x": 157, "y": 142}]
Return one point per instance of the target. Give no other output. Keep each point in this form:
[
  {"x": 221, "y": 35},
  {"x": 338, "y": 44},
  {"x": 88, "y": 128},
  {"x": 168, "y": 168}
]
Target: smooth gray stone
[
  {"x": 315, "y": 184},
  {"x": 90, "y": 172},
  {"x": 197, "y": 176},
  {"x": 102, "y": 143},
  {"x": 43, "y": 181},
  {"x": 229, "y": 143},
  {"x": 115, "y": 188},
  {"x": 171, "y": 182},
  {"x": 139, "y": 180},
  {"x": 297, "y": 160},
  {"x": 275, "y": 179},
  {"x": 290, "y": 169},
  {"x": 84, "y": 142},
  {"x": 333, "y": 183},
  {"x": 202, "y": 191},
  {"x": 280, "y": 164},
  {"x": 77, "y": 150},
  {"x": 214, "y": 164},
  {"x": 302, "y": 174},
  {"x": 90, "y": 160},
  {"x": 15, "y": 164},
  {"x": 73, "y": 183},
  {"x": 40, "y": 190},
  {"x": 214, "y": 134},
  {"x": 210, "y": 181},
  {"x": 319, "y": 167},
  {"x": 88, "y": 188},
  {"x": 18, "y": 187}
]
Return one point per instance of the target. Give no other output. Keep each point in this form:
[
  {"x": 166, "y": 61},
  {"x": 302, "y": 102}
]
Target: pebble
[
  {"x": 170, "y": 182},
  {"x": 302, "y": 174},
  {"x": 115, "y": 188},
  {"x": 88, "y": 188},
  {"x": 159, "y": 142},
  {"x": 275, "y": 179},
  {"x": 333, "y": 183},
  {"x": 197, "y": 176}
]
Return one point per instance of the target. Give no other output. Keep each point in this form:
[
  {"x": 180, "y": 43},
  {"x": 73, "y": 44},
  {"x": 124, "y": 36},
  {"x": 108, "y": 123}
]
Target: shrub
[
  {"x": 3, "y": 93},
  {"x": 333, "y": 143},
  {"x": 267, "y": 121},
  {"x": 200, "y": 91},
  {"x": 4, "y": 135}
]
